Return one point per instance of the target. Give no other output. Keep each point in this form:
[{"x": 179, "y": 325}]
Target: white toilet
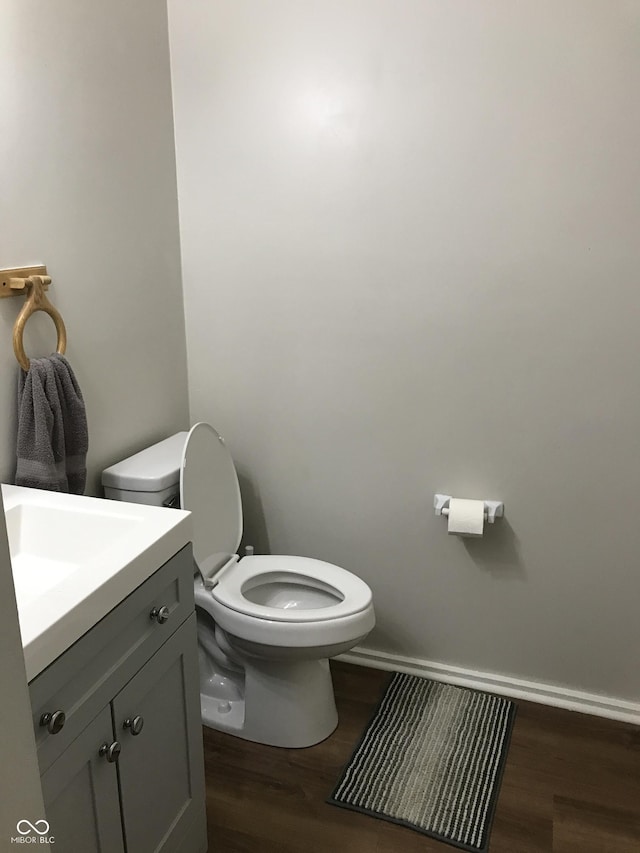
[{"x": 266, "y": 624}]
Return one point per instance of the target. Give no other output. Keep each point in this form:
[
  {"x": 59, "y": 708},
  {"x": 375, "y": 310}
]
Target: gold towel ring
[{"x": 36, "y": 301}]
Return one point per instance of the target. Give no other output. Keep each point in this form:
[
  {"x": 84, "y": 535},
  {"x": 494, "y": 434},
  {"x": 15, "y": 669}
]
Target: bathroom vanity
[
  {"x": 117, "y": 723},
  {"x": 106, "y": 609}
]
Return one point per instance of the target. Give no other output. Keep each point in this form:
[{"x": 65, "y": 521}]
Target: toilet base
[{"x": 285, "y": 703}]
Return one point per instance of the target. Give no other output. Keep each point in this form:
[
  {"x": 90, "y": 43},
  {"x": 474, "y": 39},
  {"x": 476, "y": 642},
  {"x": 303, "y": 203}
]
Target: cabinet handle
[
  {"x": 54, "y": 722},
  {"x": 111, "y": 752},
  {"x": 160, "y": 614},
  {"x": 135, "y": 724}
]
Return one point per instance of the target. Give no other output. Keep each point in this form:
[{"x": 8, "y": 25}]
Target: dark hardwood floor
[{"x": 571, "y": 785}]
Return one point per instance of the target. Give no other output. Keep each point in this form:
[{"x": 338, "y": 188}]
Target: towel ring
[{"x": 36, "y": 301}]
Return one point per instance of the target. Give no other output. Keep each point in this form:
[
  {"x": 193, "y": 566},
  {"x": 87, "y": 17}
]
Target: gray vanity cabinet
[
  {"x": 80, "y": 792},
  {"x": 124, "y": 772},
  {"x": 158, "y": 779}
]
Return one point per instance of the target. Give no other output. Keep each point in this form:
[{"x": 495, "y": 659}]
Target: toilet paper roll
[{"x": 466, "y": 518}]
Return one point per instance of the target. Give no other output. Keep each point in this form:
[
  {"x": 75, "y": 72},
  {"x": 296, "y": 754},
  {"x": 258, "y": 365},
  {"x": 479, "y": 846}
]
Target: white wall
[
  {"x": 19, "y": 775},
  {"x": 410, "y": 258},
  {"x": 87, "y": 172}
]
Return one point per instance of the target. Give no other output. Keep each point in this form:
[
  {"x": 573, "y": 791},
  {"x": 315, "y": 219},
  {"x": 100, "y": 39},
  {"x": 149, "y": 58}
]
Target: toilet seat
[
  {"x": 315, "y": 604},
  {"x": 209, "y": 489},
  {"x": 332, "y": 592},
  {"x": 275, "y": 634}
]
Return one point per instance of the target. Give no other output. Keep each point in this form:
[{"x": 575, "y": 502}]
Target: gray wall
[
  {"x": 87, "y": 171},
  {"x": 410, "y": 257}
]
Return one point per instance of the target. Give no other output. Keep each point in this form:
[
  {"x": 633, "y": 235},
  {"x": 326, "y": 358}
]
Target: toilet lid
[
  {"x": 237, "y": 587},
  {"x": 209, "y": 490}
]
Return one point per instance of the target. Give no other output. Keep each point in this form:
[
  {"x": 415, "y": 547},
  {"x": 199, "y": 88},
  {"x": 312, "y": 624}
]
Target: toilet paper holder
[{"x": 492, "y": 509}]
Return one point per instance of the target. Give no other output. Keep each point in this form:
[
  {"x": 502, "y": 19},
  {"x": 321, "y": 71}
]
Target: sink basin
[
  {"x": 48, "y": 544},
  {"x": 75, "y": 558}
]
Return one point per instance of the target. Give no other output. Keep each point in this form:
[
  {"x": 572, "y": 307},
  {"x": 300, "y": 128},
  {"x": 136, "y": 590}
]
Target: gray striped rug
[{"x": 431, "y": 759}]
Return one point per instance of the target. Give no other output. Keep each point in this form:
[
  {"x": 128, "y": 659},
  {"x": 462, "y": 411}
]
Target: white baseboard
[{"x": 490, "y": 682}]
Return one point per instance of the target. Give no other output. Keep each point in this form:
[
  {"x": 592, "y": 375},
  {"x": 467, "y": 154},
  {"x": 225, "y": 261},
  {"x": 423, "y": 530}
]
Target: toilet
[{"x": 267, "y": 624}]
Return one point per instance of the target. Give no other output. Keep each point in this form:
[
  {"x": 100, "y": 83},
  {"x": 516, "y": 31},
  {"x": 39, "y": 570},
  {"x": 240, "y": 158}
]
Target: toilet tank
[{"x": 151, "y": 476}]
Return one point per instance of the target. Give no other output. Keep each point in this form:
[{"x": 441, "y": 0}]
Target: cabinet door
[
  {"x": 80, "y": 791},
  {"x": 161, "y": 768}
]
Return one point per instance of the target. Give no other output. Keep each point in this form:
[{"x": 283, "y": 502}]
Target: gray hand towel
[{"x": 52, "y": 428}]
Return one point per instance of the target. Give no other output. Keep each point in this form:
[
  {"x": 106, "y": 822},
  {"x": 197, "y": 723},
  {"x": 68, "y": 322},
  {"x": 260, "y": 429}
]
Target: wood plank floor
[{"x": 571, "y": 785}]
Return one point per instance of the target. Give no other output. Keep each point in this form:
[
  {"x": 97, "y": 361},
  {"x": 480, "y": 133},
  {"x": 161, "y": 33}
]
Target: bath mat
[{"x": 431, "y": 759}]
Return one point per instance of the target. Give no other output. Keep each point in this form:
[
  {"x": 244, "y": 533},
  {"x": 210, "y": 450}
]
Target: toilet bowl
[{"x": 267, "y": 624}]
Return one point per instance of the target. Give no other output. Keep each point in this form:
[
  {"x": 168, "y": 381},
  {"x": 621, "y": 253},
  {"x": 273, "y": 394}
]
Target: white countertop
[{"x": 75, "y": 558}]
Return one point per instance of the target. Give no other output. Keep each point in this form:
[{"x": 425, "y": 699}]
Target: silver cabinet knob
[
  {"x": 134, "y": 725},
  {"x": 160, "y": 614},
  {"x": 110, "y": 752},
  {"x": 53, "y": 721}
]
